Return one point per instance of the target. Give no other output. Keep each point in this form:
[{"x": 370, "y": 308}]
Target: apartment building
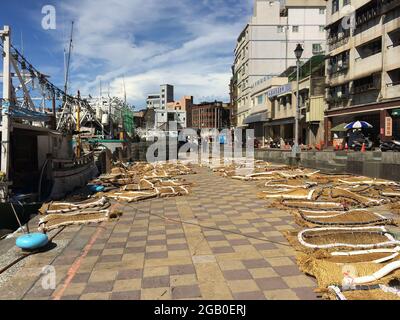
[
  {"x": 158, "y": 103},
  {"x": 363, "y": 65},
  {"x": 261, "y": 107},
  {"x": 265, "y": 47},
  {"x": 278, "y": 96},
  {"x": 210, "y": 115},
  {"x": 178, "y": 110}
]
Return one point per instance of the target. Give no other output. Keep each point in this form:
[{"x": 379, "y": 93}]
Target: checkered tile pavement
[{"x": 142, "y": 256}]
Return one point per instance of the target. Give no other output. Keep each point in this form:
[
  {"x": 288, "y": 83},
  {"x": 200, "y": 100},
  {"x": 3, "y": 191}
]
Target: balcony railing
[
  {"x": 337, "y": 41},
  {"x": 366, "y": 87},
  {"x": 367, "y": 15},
  {"x": 336, "y": 99},
  {"x": 335, "y": 69},
  {"x": 392, "y": 84}
]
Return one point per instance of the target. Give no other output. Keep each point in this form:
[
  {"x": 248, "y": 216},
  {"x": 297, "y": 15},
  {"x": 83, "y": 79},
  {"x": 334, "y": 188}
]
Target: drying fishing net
[
  {"x": 355, "y": 217},
  {"x": 341, "y": 238},
  {"x": 64, "y": 207},
  {"x": 284, "y": 193},
  {"x": 307, "y": 204},
  {"x": 363, "y": 292},
  {"x": 59, "y": 214},
  {"x": 329, "y": 273},
  {"x": 134, "y": 196}
]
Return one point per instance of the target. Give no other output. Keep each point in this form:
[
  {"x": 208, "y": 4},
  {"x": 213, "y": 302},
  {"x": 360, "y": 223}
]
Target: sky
[{"x": 144, "y": 43}]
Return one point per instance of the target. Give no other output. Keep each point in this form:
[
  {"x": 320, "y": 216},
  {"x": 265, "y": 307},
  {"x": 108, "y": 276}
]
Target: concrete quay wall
[{"x": 376, "y": 164}]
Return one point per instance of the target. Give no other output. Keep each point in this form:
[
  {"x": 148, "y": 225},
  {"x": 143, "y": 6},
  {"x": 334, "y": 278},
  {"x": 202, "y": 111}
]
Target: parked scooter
[
  {"x": 357, "y": 144},
  {"x": 392, "y": 145},
  {"x": 275, "y": 144}
]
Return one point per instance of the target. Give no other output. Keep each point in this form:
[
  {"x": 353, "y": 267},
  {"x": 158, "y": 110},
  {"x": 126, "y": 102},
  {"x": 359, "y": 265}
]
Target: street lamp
[{"x": 295, "y": 150}]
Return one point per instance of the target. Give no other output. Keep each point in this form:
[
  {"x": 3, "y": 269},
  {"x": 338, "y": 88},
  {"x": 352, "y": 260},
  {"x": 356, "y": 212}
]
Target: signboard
[
  {"x": 279, "y": 90},
  {"x": 388, "y": 126}
]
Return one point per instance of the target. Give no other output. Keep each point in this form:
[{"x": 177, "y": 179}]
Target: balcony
[
  {"x": 338, "y": 101},
  {"x": 366, "y": 87},
  {"x": 366, "y": 16},
  {"x": 337, "y": 41},
  {"x": 367, "y": 66},
  {"x": 392, "y": 90},
  {"x": 392, "y": 58},
  {"x": 388, "y": 5},
  {"x": 339, "y": 68}
]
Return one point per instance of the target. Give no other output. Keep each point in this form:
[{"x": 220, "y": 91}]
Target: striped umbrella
[{"x": 358, "y": 125}]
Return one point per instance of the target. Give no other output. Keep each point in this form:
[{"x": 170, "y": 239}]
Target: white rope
[
  {"x": 76, "y": 206},
  {"x": 391, "y": 241},
  {"x": 378, "y": 274},
  {"x": 337, "y": 214},
  {"x": 387, "y": 289},
  {"x": 358, "y": 197},
  {"x": 332, "y": 205},
  {"x": 395, "y": 252},
  {"x": 289, "y": 196}
]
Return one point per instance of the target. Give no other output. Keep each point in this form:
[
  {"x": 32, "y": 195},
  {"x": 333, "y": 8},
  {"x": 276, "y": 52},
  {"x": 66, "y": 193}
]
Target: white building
[
  {"x": 158, "y": 102},
  {"x": 162, "y": 109},
  {"x": 265, "y": 47}
]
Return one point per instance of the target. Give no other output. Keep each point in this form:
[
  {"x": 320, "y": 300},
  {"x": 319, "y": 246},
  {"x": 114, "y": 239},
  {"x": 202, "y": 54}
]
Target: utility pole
[
  {"x": 5, "y": 123},
  {"x": 295, "y": 149},
  {"x": 100, "y": 102},
  {"x": 109, "y": 114}
]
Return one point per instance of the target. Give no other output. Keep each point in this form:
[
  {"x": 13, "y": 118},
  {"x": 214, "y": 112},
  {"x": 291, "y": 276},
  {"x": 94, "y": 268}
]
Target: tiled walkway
[{"x": 143, "y": 256}]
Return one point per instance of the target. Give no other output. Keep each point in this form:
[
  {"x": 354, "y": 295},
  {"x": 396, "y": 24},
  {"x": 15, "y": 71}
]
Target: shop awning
[
  {"x": 281, "y": 122},
  {"x": 339, "y": 128},
  {"x": 256, "y": 117}
]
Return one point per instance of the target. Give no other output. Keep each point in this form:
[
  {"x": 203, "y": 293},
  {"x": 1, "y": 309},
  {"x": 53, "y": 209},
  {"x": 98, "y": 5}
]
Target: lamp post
[{"x": 295, "y": 150}]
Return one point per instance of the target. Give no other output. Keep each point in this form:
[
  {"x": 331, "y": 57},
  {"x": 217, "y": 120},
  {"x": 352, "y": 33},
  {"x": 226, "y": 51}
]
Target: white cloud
[{"x": 186, "y": 43}]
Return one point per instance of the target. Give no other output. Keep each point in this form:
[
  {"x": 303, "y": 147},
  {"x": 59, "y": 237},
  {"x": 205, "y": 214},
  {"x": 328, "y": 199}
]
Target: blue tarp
[{"x": 26, "y": 114}]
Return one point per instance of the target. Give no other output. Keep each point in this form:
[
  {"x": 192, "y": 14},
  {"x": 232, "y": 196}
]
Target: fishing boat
[{"x": 42, "y": 156}]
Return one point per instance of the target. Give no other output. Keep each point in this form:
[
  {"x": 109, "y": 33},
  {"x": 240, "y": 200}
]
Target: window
[
  {"x": 295, "y": 28},
  {"x": 335, "y": 6},
  {"x": 394, "y": 77},
  {"x": 346, "y": 2},
  {"x": 260, "y": 99},
  {"x": 321, "y": 10},
  {"x": 316, "y": 48},
  {"x": 321, "y": 28},
  {"x": 280, "y": 29}
]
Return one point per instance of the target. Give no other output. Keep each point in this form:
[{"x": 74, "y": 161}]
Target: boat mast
[
  {"x": 67, "y": 63},
  {"x": 5, "y": 125}
]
